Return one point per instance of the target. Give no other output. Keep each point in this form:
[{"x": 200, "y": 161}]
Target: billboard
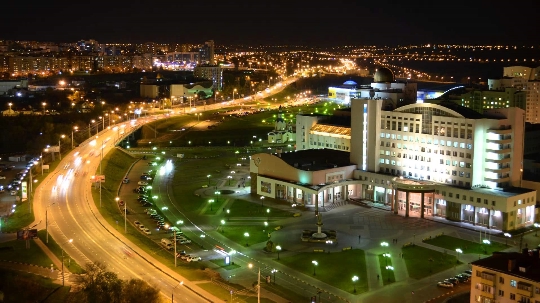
[
  {"x": 24, "y": 187},
  {"x": 26, "y": 234}
]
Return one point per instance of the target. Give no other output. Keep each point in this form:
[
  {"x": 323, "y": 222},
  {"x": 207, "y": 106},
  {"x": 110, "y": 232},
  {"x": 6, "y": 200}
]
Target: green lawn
[
  {"x": 25, "y": 287},
  {"x": 17, "y": 220},
  {"x": 19, "y": 253},
  {"x": 468, "y": 247},
  {"x": 225, "y": 294},
  {"x": 221, "y": 263},
  {"x": 57, "y": 250},
  {"x": 422, "y": 262},
  {"x": 257, "y": 233},
  {"x": 387, "y": 276},
  {"x": 242, "y": 208},
  {"x": 336, "y": 269}
]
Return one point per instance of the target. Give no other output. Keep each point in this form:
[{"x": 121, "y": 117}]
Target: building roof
[
  {"x": 527, "y": 265},
  {"x": 441, "y": 105},
  {"x": 317, "y": 159},
  {"x": 331, "y": 129}
]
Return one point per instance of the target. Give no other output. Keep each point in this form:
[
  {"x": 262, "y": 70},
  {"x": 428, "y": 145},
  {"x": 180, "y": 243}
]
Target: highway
[
  {"x": 72, "y": 214},
  {"x": 64, "y": 200}
]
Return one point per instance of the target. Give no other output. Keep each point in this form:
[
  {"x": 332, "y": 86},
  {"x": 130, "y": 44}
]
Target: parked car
[
  {"x": 147, "y": 231},
  {"x": 445, "y": 284},
  {"x": 193, "y": 259},
  {"x": 142, "y": 183},
  {"x": 180, "y": 253},
  {"x": 137, "y": 223},
  {"x": 452, "y": 280},
  {"x": 141, "y": 227},
  {"x": 468, "y": 271},
  {"x": 185, "y": 241},
  {"x": 150, "y": 211},
  {"x": 184, "y": 257},
  {"x": 2, "y": 177},
  {"x": 463, "y": 278}
]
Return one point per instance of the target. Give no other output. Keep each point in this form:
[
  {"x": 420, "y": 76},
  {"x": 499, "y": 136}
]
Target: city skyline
[{"x": 271, "y": 23}]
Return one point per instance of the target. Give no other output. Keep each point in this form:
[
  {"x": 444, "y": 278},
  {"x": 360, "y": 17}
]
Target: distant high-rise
[{"x": 207, "y": 53}]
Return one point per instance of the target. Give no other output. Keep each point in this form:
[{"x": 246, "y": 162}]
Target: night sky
[{"x": 260, "y": 22}]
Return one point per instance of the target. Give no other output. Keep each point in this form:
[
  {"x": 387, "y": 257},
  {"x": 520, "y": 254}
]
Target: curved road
[
  {"x": 64, "y": 197},
  {"x": 72, "y": 214}
]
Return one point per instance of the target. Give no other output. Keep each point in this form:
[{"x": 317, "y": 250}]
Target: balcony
[
  {"x": 499, "y": 170},
  {"x": 504, "y": 159},
  {"x": 500, "y": 131},
  {"x": 524, "y": 289},
  {"x": 499, "y": 151},
  {"x": 502, "y": 141},
  {"x": 498, "y": 179}
]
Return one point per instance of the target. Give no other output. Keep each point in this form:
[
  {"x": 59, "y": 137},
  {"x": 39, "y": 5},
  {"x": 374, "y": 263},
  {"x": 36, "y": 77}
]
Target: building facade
[
  {"x": 506, "y": 277},
  {"x": 426, "y": 160}
]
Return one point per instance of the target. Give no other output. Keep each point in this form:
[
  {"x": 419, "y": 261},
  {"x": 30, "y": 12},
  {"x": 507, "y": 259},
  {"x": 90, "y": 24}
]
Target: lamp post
[
  {"x": 75, "y": 128},
  {"x": 274, "y": 272},
  {"x": 43, "y": 105},
  {"x": 211, "y": 201},
  {"x": 458, "y": 251},
  {"x": 262, "y": 201},
  {"x": 47, "y": 223},
  {"x": 354, "y": 279},
  {"x": 228, "y": 214},
  {"x": 90, "y": 128},
  {"x": 315, "y": 263},
  {"x": 229, "y": 177},
  {"x": 222, "y": 226},
  {"x": 247, "y": 237},
  {"x": 59, "y": 152},
  {"x": 389, "y": 268},
  {"x": 386, "y": 256},
  {"x": 217, "y": 193},
  {"x": 536, "y": 225},
  {"x": 507, "y": 235},
  {"x": 487, "y": 242},
  {"x": 233, "y": 92},
  {"x": 268, "y": 214},
  {"x": 208, "y": 177},
  {"x": 172, "y": 293},
  {"x": 63, "y": 275},
  {"x": 278, "y": 249}
]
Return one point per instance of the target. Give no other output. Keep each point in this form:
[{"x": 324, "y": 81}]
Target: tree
[
  {"x": 99, "y": 285},
  {"x": 136, "y": 290}
]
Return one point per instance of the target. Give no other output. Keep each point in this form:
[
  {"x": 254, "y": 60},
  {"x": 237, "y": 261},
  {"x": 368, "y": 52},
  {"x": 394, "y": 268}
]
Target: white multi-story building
[
  {"x": 506, "y": 277},
  {"x": 526, "y": 79},
  {"x": 423, "y": 160}
]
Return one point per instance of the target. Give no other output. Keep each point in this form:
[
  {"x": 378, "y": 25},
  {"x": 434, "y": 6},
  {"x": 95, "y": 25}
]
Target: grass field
[
  {"x": 33, "y": 255},
  {"x": 468, "y": 247},
  {"x": 422, "y": 262},
  {"x": 336, "y": 273},
  {"x": 387, "y": 275},
  {"x": 57, "y": 250},
  {"x": 19, "y": 286}
]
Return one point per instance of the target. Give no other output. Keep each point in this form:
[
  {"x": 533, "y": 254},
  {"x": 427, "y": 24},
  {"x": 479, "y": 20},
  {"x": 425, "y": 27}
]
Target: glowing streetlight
[
  {"x": 211, "y": 201},
  {"x": 247, "y": 237},
  {"x": 208, "y": 177},
  {"x": 315, "y": 263},
  {"x": 354, "y": 279},
  {"x": 278, "y": 249},
  {"x": 507, "y": 235},
  {"x": 458, "y": 251},
  {"x": 222, "y": 226}
]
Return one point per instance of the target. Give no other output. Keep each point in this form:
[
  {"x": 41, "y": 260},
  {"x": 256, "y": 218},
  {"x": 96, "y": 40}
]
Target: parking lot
[{"x": 136, "y": 195}]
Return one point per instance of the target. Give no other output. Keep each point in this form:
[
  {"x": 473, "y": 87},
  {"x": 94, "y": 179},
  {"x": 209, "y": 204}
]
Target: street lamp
[
  {"x": 315, "y": 263},
  {"x": 233, "y": 92},
  {"x": 208, "y": 177},
  {"x": 59, "y": 152},
  {"x": 536, "y": 225},
  {"x": 247, "y": 237},
  {"x": 75, "y": 128},
  {"x": 43, "y": 105},
  {"x": 389, "y": 268},
  {"x": 487, "y": 242},
  {"x": 228, "y": 214},
  {"x": 217, "y": 193},
  {"x": 386, "y": 256},
  {"x": 278, "y": 249},
  {"x": 229, "y": 177},
  {"x": 262, "y": 201},
  {"x": 267, "y": 213},
  {"x": 222, "y": 226},
  {"x": 507, "y": 235},
  {"x": 274, "y": 272},
  {"x": 211, "y": 201},
  {"x": 172, "y": 293},
  {"x": 47, "y": 223},
  {"x": 354, "y": 279},
  {"x": 458, "y": 251},
  {"x": 63, "y": 275}
]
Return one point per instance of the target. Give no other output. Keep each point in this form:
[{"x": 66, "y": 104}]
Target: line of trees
[{"x": 99, "y": 285}]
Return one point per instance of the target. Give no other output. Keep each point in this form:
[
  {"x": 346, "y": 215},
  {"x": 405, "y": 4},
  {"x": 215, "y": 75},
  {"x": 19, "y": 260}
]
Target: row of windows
[
  {"x": 335, "y": 146},
  {"x": 479, "y": 200},
  {"x": 420, "y": 176},
  {"x": 428, "y": 168},
  {"x": 428, "y": 159},
  {"x": 425, "y": 141}
]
